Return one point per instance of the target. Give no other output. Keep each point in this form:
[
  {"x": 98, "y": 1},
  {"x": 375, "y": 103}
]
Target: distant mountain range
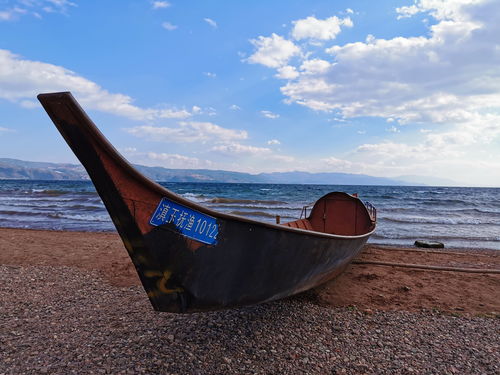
[{"x": 27, "y": 170}]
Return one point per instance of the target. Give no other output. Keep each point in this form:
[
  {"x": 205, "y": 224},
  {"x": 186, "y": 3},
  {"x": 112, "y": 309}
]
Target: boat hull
[
  {"x": 249, "y": 264},
  {"x": 241, "y": 262}
]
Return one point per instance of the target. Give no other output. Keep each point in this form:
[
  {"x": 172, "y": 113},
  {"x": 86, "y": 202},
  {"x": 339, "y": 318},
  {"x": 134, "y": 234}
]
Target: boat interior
[{"x": 338, "y": 213}]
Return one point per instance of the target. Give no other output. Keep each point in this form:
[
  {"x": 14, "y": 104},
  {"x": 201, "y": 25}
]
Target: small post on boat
[{"x": 278, "y": 219}]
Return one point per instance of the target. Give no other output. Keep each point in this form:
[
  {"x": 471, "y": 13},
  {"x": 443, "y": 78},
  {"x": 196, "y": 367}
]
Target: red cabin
[{"x": 338, "y": 213}]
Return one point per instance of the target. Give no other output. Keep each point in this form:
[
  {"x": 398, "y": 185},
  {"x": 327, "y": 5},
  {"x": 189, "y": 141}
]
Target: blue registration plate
[{"x": 188, "y": 222}]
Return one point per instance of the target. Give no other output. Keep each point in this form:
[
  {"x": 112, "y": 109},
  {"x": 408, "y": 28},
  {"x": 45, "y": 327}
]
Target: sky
[{"x": 390, "y": 88}]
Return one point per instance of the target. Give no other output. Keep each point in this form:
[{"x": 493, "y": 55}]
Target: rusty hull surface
[{"x": 252, "y": 262}]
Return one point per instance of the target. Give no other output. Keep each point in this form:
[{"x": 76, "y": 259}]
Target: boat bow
[{"x": 190, "y": 258}]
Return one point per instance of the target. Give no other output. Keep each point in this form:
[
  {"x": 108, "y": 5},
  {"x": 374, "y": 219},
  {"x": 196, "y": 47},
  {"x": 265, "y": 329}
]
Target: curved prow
[
  {"x": 130, "y": 198},
  {"x": 120, "y": 186}
]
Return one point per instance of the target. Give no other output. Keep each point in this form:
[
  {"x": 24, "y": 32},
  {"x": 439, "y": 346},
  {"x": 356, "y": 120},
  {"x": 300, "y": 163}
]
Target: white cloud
[
  {"x": 446, "y": 79},
  {"x": 178, "y": 161},
  {"x": 166, "y": 160},
  {"x": 455, "y": 153},
  {"x": 315, "y": 66},
  {"x": 167, "y": 113},
  {"x": 273, "y": 51},
  {"x": 393, "y": 129},
  {"x": 169, "y": 26},
  {"x": 234, "y": 107},
  {"x": 338, "y": 119},
  {"x": 160, "y": 4},
  {"x": 338, "y": 165},
  {"x": 273, "y": 142},
  {"x": 191, "y": 131},
  {"x": 287, "y": 72},
  {"x": 282, "y": 159},
  {"x": 5, "y": 130},
  {"x": 210, "y": 111},
  {"x": 237, "y": 150},
  {"x": 211, "y": 22},
  {"x": 269, "y": 114},
  {"x": 441, "y": 77},
  {"x": 18, "y": 8},
  {"x": 11, "y": 14},
  {"x": 407, "y": 11},
  {"x": 210, "y": 74},
  {"x": 314, "y": 28},
  {"x": 439, "y": 9},
  {"x": 444, "y": 76},
  {"x": 21, "y": 80}
]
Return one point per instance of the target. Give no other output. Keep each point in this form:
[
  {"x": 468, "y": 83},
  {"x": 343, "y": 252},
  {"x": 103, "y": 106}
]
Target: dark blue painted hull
[{"x": 250, "y": 262}]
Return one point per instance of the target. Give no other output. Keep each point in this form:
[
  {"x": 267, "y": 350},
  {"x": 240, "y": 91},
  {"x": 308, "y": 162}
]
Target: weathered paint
[{"x": 251, "y": 262}]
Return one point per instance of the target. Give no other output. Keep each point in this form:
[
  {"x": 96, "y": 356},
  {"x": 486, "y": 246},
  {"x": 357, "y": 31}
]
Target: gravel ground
[{"x": 62, "y": 320}]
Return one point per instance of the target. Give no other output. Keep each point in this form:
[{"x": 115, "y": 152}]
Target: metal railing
[
  {"x": 303, "y": 213},
  {"x": 372, "y": 211}
]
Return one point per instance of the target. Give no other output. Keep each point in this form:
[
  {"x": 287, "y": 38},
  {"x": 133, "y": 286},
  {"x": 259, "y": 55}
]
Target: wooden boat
[{"x": 191, "y": 258}]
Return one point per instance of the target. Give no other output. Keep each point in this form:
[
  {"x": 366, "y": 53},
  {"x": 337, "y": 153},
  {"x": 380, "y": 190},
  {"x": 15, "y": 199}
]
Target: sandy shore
[
  {"x": 72, "y": 303},
  {"x": 363, "y": 286}
]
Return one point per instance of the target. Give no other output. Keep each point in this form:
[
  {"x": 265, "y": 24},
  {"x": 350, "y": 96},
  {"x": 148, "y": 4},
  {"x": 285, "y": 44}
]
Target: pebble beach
[
  {"x": 61, "y": 313},
  {"x": 65, "y": 321}
]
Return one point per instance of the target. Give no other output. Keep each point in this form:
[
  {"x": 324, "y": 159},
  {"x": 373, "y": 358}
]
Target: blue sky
[{"x": 386, "y": 88}]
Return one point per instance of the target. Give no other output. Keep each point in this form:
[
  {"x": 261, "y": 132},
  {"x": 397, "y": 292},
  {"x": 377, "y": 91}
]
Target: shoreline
[
  {"x": 368, "y": 287},
  {"x": 381, "y": 245}
]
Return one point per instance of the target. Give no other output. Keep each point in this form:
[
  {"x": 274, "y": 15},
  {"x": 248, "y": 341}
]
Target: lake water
[{"x": 459, "y": 217}]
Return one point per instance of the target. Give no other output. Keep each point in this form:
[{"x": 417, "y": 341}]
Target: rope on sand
[
  {"x": 426, "y": 267},
  {"x": 430, "y": 251}
]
